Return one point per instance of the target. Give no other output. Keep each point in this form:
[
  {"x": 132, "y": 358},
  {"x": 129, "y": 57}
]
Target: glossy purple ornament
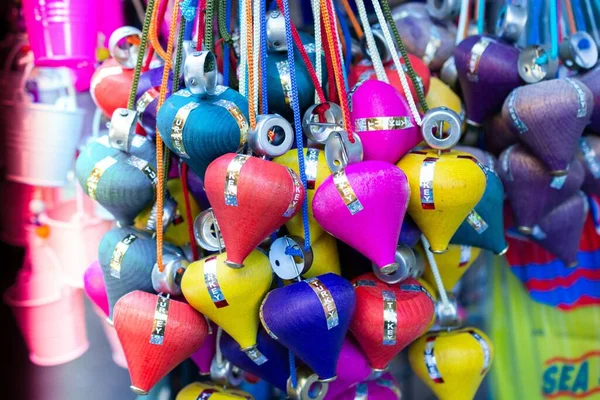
[
  {"x": 559, "y": 232},
  {"x": 487, "y": 72},
  {"x": 532, "y": 191},
  {"x": 549, "y": 117},
  {"x": 352, "y": 368},
  {"x": 589, "y": 156},
  {"x": 591, "y": 79},
  {"x": 311, "y": 318}
]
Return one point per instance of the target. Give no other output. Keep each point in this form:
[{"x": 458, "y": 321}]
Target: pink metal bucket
[
  {"x": 51, "y": 318},
  {"x": 74, "y": 238},
  {"x": 62, "y": 33}
]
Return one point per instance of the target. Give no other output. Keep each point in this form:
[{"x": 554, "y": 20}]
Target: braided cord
[
  {"x": 411, "y": 72},
  {"x": 209, "y": 36},
  {"x": 223, "y": 19},
  {"x": 140, "y": 59},
  {"x": 318, "y": 60},
  {"x": 371, "y": 45},
  {"x": 263, "y": 57}
]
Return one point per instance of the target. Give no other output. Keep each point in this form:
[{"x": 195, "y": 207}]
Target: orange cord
[
  {"x": 249, "y": 40},
  {"x": 159, "y": 143},
  {"x": 341, "y": 35},
  {"x": 353, "y": 20},
  {"x": 570, "y": 17},
  {"x": 337, "y": 69},
  {"x": 153, "y": 31}
]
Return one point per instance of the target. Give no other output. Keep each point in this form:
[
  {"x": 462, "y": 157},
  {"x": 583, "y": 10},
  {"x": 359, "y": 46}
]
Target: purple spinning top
[
  {"x": 559, "y": 232},
  {"x": 549, "y": 117},
  {"x": 498, "y": 135},
  {"x": 487, "y": 72},
  {"x": 532, "y": 191},
  {"x": 589, "y": 156}
]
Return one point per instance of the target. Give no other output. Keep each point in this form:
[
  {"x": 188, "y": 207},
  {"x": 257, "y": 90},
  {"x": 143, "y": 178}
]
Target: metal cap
[
  {"x": 272, "y": 137},
  {"x": 200, "y": 72},
  {"x": 535, "y": 64},
  {"x": 511, "y": 22},
  {"x": 448, "y": 73},
  {"x": 443, "y": 9},
  {"x": 380, "y": 43},
  {"x": 435, "y": 119},
  {"x": 206, "y": 231},
  {"x": 339, "y": 151},
  {"x": 320, "y": 120},
  {"x": 276, "y": 40},
  {"x": 405, "y": 260},
  {"x": 124, "y": 45},
  {"x": 308, "y": 386},
  {"x": 446, "y": 317},
  {"x": 169, "y": 280},
  {"x": 122, "y": 129},
  {"x": 287, "y": 266},
  {"x": 579, "y": 51}
]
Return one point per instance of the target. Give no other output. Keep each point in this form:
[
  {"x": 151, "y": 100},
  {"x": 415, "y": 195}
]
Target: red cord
[
  {"x": 338, "y": 67},
  {"x": 200, "y": 29},
  {"x": 329, "y": 64},
  {"x": 188, "y": 210},
  {"x": 160, "y": 18},
  {"x": 302, "y": 50}
]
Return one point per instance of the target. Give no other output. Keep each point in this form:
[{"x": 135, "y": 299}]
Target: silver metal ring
[
  {"x": 200, "y": 72},
  {"x": 435, "y": 119}
]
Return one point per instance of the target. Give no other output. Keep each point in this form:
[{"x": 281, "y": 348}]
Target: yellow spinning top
[
  {"x": 444, "y": 189},
  {"x": 452, "y": 363},
  {"x": 316, "y": 171},
  {"x": 177, "y": 231},
  {"x": 204, "y": 390},
  {"x": 440, "y": 95},
  {"x": 230, "y": 297},
  {"x": 325, "y": 257},
  {"x": 451, "y": 264}
]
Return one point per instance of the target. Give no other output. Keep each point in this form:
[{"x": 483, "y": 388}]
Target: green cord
[
  {"x": 411, "y": 72},
  {"x": 222, "y": 22},
  {"x": 142, "y": 53},
  {"x": 208, "y": 24},
  {"x": 178, "y": 56}
]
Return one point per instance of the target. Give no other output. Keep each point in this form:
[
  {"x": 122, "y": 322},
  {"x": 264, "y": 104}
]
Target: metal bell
[
  {"x": 579, "y": 51},
  {"x": 169, "y": 213},
  {"x": 200, "y": 72},
  {"x": 276, "y": 40},
  {"x": 320, "y": 120},
  {"x": 446, "y": 317},
  {"x": 435, "y": 118},
  {"x": 535, "y": 64},
  {"x": 124, "y": 45},
  {"x": 406, "y": 260},
  {"x": 288, "y": 266},
  {"x": 169, "y": 280},
  {"x": 206, "y": 231},
  {"x": 382, "y": 48},
  {"x": 511, "y": 22},
  {"x": 272, "y": 137},
  {"x": 339, "y": 151},
  {"x": 448, "y": 73},
  {"x": 443, "y": 9},
  {"x": 308, "y": 386},
  {"x": 122, "y": 129}
]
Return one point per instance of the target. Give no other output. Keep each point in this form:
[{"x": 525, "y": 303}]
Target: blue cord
[
  {"x": 481, "y": 17},
  {"x": 189, "y": 27},
  {"x": 293, "y": 369},
  {"x": 553, "y": 29},
  {"x": 297, "y": 121},
  {"x": 292, "y": 251},
  {"x": 273, "y": 5},
  {"x": 347, "y": 37},
  {"x": 263, "y": 56},
  {"x": 579, "y": 17},
  {"x": 226, "y": 59},
  {"x": 534, "y": 27}
]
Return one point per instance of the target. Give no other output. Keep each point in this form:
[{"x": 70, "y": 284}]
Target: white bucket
[
  {"x": 118, "y": 355},
  {"x": 74, "y": 238},
  {"x": 41, "y": 139}
]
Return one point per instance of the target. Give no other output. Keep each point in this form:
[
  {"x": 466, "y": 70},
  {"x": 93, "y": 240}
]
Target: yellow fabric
[{"x": 542, "y": 352}]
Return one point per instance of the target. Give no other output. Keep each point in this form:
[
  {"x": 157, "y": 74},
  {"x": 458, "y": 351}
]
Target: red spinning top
[
  {"x": 110, "y": 86},
  {"x": 389, "y": 317},
  {"x": 364, "y": 70},
  {"x": 250, "y": 198},
  {"x": 157, "y": 334}
]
